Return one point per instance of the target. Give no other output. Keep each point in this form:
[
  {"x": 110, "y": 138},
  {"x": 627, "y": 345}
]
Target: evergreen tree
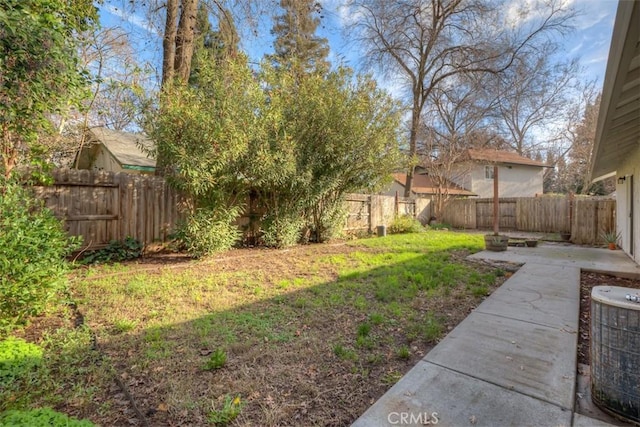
[
  {"x": 210, "y": 44},
  {"x": 203, "y": 34},
  {"x": 225, "y": 40},
  {"x": 297, "y": 47}
]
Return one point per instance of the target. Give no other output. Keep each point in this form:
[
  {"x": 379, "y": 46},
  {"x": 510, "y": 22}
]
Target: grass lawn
[{"x": 307, "y": 336}]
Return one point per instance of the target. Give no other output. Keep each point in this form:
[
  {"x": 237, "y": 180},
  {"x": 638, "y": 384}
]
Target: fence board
[
  {"x": 422, "y": 209},
  {"x": 358, "y": 207},
  {"x": 543, "y": 214},
  {"x": 596, "y": 216},
  {"x": 590, "y": 216},
  {"x": 104, "y": 206},
  {"x": 461, "y": 214},
  {"x": 484, "y": 213}
]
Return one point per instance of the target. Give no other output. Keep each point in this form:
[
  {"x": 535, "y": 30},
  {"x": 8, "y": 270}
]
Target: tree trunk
[
  {"x": 413, "y": 137},
  {"x": 496, "y": 202},
  {"x": 169, "y": 42},
  {"x": 185, "y": 39}
]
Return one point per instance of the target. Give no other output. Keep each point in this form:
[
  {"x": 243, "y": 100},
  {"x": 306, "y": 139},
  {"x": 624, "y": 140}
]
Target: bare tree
[
  {"x": 571, "y": 156},
  {"x": 120, "y": 82},
  {"x": 429, "y": 42},
  {"x": 455, "y": 121},
  {"x": 119, "y": 92},
  {"x": 535, "y": 98},
  {"x": 579, "y": 154}
]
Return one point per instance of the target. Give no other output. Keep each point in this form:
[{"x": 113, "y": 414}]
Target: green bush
[
  {"x": 32, "y": 264},
  {"x": 117, "y": 250},
  {"x": 281, "y": 231},
  {"x": 18, "y": 358},
  {"x": 405, "y": 224},
  {"x": 41, "y": 417},
  {"x": 209, "y": 230},
  {"x": 328, "y": 220}
]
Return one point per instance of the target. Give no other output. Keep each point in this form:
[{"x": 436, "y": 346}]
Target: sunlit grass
[{"x": 399, "y": 268}]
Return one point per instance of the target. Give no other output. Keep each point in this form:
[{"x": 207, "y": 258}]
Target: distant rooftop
[
  {"x": 124, "y": 146},
  {"x": 424, "y": 184},
  {"x": 499, "y": 156}
]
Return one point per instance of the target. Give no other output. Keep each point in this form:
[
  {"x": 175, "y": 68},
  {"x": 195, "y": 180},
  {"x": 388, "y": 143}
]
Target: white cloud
[
  {"x": 521, "y": 12},
  {"x": 594, "y": 12},
  {"x": 576, "y": 49},
  {"x": 346, "y": 14}
]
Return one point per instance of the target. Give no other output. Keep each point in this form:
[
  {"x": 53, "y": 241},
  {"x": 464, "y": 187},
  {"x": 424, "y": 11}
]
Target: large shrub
[
  {"x": 209, "y": 230},
  {"x": 328, "y": 219},
  {"x": 281, "y": 231},
  {"x": 321, "y": 136},
  {"x": 202, "y": 135},
  {"x": 33, "y": 245}
]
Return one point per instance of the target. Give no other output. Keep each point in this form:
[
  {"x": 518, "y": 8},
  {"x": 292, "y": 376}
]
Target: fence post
[
  {"x": 396, "y": 208},
  {"x": 370, "y": 210},
  {"x": 571, "y": 215}
]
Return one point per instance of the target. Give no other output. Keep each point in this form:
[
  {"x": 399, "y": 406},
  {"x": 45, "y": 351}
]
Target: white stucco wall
[
  {"x": 513, "y": 181},
  {"x": 629, "y": 168}
]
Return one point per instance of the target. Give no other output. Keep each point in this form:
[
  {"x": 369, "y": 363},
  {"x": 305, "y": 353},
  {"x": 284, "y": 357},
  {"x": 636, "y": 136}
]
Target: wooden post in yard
[
  {"x": 396, "y": 210},
  {"x": 496, "y": 201}
]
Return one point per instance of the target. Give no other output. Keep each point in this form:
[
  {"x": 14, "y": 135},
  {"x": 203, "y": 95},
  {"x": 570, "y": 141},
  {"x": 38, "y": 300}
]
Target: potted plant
[
  {"x": 496, "y": 242},
  {"x": 611, "y": 239}
]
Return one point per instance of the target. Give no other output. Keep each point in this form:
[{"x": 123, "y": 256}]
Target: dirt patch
[{"x": 587, "y": 282}]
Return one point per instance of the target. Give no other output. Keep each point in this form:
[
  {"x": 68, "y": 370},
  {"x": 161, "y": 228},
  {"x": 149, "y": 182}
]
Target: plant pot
[
  {"x": 612, "y": 246},
  {"x": 496, "y": 243},
  {"x": 565, "y": 236},
  {"x": 531, "y": 243}
]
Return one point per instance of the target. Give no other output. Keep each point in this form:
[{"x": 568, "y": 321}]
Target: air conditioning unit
[{"x": 615, "y": 351}]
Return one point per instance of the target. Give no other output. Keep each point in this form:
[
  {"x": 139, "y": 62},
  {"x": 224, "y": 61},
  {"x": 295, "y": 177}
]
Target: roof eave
[{"x": 621, "y": 53}]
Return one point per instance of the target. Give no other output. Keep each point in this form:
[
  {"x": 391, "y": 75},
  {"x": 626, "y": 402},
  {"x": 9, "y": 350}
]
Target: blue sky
[{"x": 590, "y": 41}]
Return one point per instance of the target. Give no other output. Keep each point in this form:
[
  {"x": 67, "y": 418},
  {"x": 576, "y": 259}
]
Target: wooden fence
[
  {"x": 583, "y": 217},
  {"x": 105, "y": 206},
  {"x": 366, "y": 212}
]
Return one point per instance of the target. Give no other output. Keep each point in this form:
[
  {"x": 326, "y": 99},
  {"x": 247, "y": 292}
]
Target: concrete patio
[{"x": 513, "y": 360}]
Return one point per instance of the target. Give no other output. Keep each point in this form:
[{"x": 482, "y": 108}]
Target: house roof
[
  {"x": 424, "y": 184},
  {"x": 618, "y": 129},
  {"x": 124, "y": 147},
  {"x": 500, "y": 156}
]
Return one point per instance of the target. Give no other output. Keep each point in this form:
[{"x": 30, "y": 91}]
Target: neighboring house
[
  {"x": 424, "y": 186},
  {"x": 115, "y": 151},
  {"x": 616, "y": 151},
  {"x": 518, "y": 176}
]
